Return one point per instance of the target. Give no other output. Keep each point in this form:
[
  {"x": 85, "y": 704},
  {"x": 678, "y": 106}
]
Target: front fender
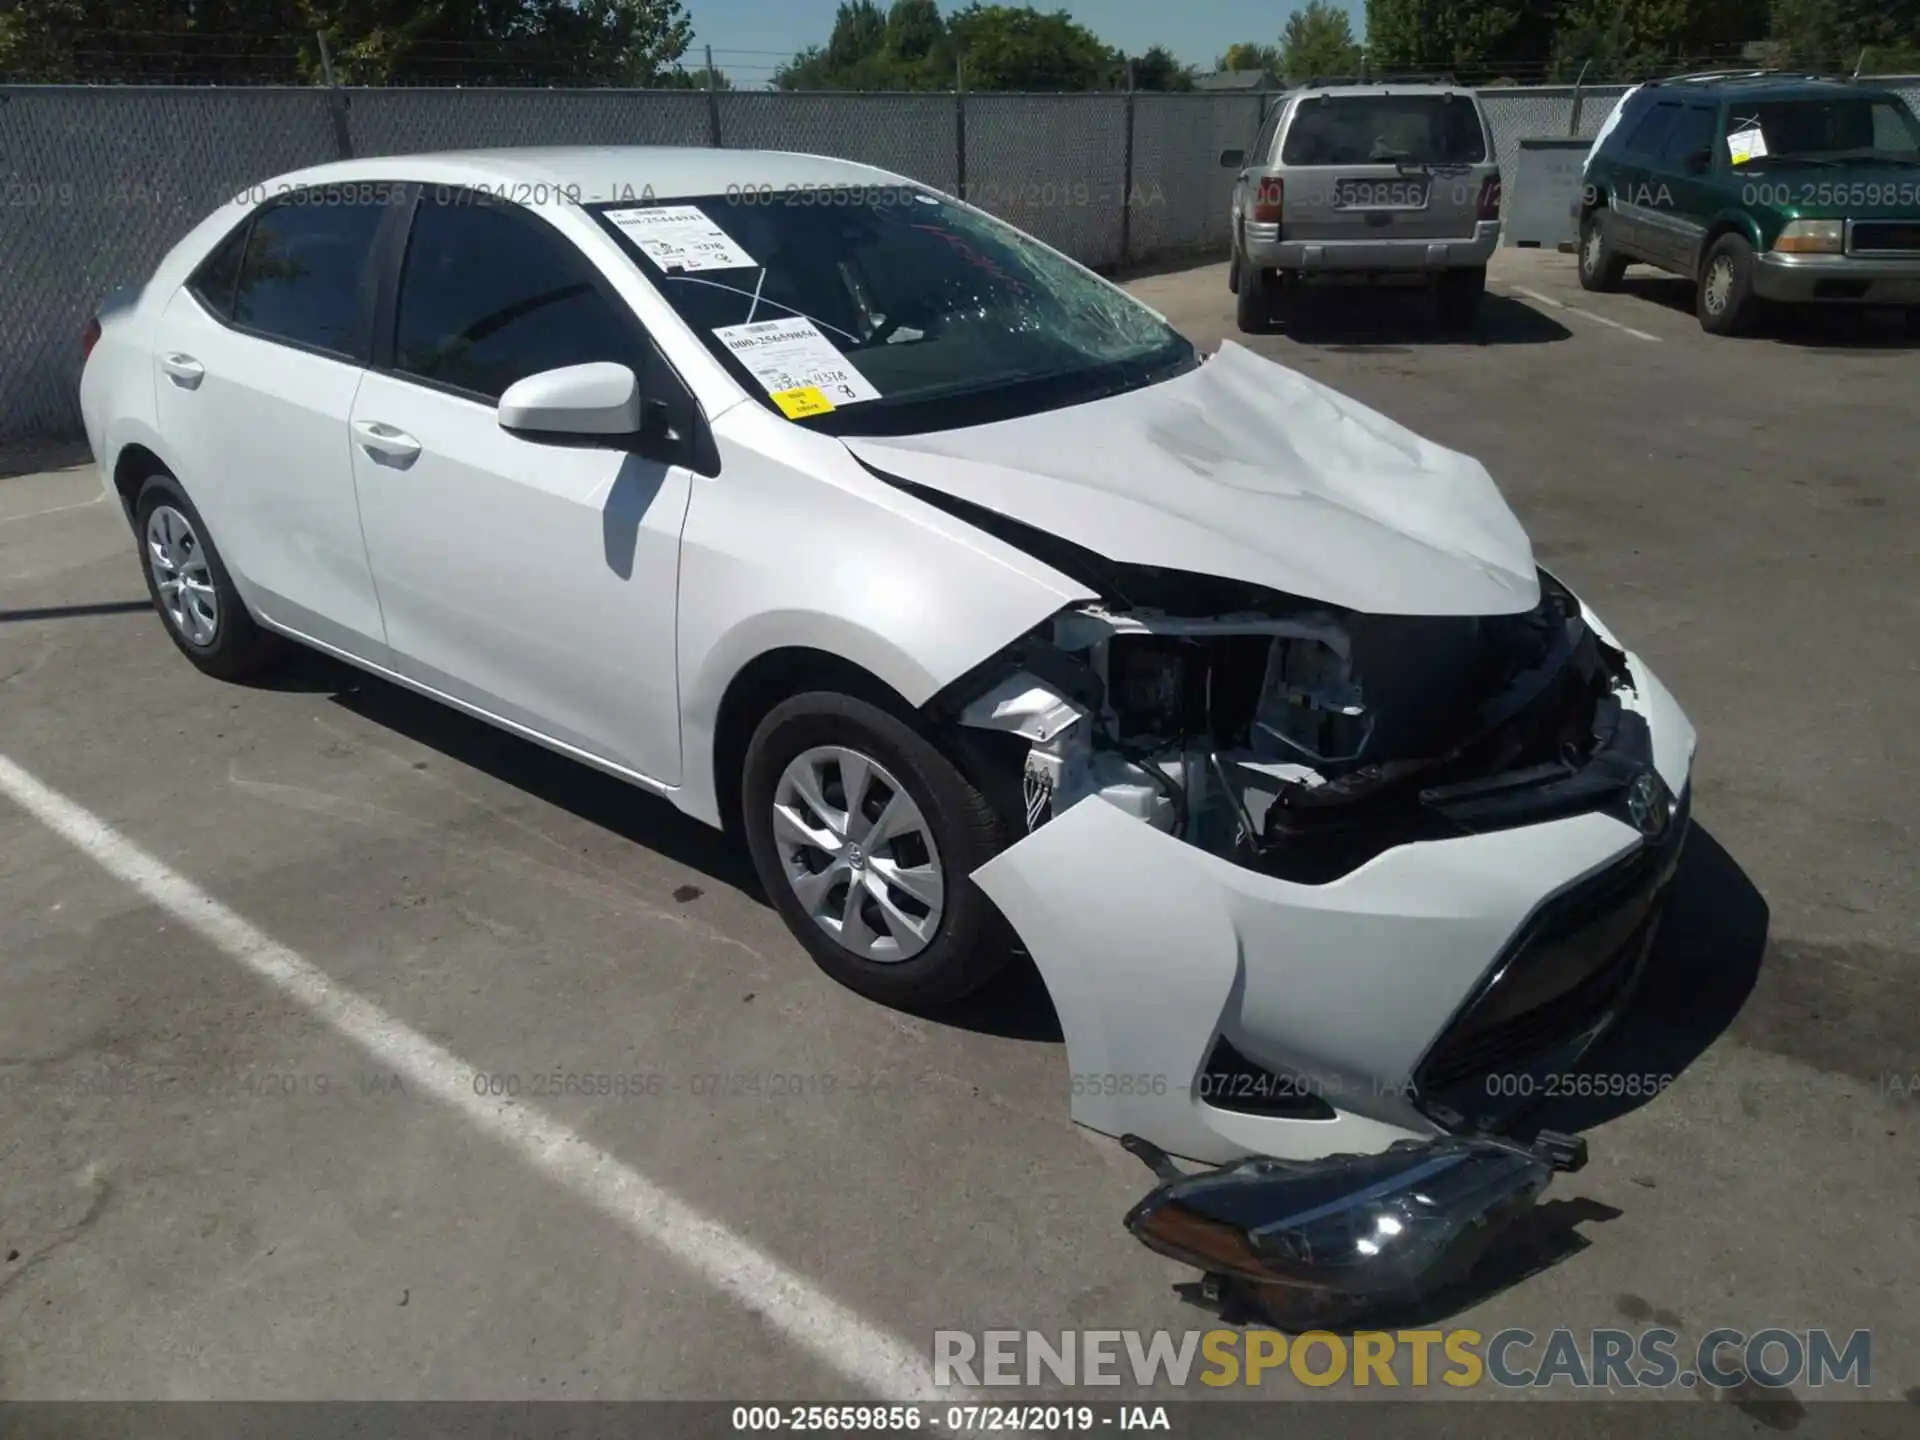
[{"x": 795, "y": 544}]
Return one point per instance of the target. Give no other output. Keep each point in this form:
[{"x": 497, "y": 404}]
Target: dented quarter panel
[{"x": 1249, "y": 471}]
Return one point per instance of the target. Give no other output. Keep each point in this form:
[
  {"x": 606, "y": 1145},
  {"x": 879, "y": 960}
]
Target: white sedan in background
[{"x": 841, "y": 514}]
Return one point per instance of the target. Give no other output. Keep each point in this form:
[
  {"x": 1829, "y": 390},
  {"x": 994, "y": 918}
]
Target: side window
[
  {"x": 214, "y": 282},
  {"x": 1692, "y": 131},
  {"x": 305, "y": 262},
  {"x": 1262, "y": 151},
  {"x": 1647, "y": 137},
  {"x": 491, "y": 294}
]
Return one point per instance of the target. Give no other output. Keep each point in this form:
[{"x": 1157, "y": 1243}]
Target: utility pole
[{"x": 713, "y": 104}]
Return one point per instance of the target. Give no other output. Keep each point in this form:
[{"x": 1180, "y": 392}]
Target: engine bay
[{"x": 1302, "y": 740}]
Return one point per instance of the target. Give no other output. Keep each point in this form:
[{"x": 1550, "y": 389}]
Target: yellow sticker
[{"x": 800, "y": 403}]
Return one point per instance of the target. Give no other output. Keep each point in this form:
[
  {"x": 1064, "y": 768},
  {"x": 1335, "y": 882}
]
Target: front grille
[
  {"x": 1560, "y": 982},
  {"x": 1898, "y": 236}
]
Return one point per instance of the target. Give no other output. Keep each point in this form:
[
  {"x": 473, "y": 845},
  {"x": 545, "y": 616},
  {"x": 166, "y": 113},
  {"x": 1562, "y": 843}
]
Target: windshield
[
  {"x": 1385, "y": 129},
  {"x": 891, "y": 310},
  {"x": 1846, "y": 128}
]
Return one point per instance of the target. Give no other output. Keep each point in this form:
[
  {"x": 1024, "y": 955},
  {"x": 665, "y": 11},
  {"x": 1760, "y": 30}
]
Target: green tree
[
  {"x": 1009, "y": 48},
  {"x": 695, "y": 80},
  {"x": 1473, "y": 40},
  {"x": 906, "y": 48},
  {"x": 1248, "y": 56},
  {"x": 1638, "y": 39},
  {"x": 1833, "y": 33},
  {"x": 1157, "y": 69},
  {"x": 380, "y": 42},
  {"x": 1318, "y": 40},
  {"x": 915, "y": 30}
]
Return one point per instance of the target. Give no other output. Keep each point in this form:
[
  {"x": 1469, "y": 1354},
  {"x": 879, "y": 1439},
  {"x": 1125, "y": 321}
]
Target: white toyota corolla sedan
[{"x": 986, "y": 609}]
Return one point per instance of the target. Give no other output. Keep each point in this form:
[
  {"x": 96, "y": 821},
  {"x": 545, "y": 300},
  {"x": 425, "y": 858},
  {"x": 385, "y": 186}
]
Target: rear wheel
[
  {"x": 866, "y": 836},
  {"x": 1457, "y": 295},
  {"x": 1258, "y": 294},
  {"x": 1725, "y": 302},
  {"x": 1233, "y": 272},
  {"x": 191, "y": 589},
  {"x": 1601, "y": 266}
]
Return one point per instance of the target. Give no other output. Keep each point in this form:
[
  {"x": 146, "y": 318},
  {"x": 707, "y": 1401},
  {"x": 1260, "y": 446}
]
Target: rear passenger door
[
  {"x": 1689, "y": 158},
  {"x": 534, "y": 582},
  {"x": 1386, "y": 166},
  {"x": 257, "y": 361},
  {"x": 1642, "y": 190}
]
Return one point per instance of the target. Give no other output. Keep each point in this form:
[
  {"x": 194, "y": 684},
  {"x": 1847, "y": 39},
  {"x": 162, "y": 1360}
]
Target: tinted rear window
[
  {"x": 305, "y": 262},
  {"x": 1384, "y": 130}
]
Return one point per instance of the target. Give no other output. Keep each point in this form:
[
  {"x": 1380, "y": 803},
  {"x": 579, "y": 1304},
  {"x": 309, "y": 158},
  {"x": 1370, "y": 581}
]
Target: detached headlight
[
  {"x": 1356, "y": 1227},
  {"x": 1812, "y": 237}
]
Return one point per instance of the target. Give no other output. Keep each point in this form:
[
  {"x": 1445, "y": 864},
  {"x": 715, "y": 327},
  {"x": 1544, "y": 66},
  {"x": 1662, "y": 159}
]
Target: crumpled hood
[{"x": 1249, "y": 471}]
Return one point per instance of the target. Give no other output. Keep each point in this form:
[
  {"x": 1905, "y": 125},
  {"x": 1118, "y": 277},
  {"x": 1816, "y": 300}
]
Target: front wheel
[
  {"x": 1725, "y": 302},
  {"x": 866, "y": 836}
]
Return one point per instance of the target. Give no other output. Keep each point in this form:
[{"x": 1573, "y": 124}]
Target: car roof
[
  {"x": 589, "y": 173},
  {"x": 1768, "y": 86},
  {"x": 1384, "y": 88}
]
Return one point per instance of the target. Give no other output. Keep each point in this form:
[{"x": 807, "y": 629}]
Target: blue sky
[{"x": 750, "y": 37}]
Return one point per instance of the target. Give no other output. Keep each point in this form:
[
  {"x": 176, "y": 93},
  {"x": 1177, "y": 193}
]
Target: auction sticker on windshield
[
  {"x": 681, "y": 237},
  {"x": 796, "y": 365}
]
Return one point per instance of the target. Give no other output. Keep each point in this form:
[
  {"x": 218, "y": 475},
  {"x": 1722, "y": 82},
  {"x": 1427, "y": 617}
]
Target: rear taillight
[
  {"x": 89, "y": 337},
  {"x": 1269, "y": 200},
  {"x": 1490, "y": 198}
]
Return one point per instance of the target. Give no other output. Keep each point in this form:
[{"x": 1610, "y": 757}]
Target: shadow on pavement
[
  {"x": 1704, "y": 964},
  {"x": 69, "y": 612},
  {"x": 1824, "y": 327},
  {"x": 597, "y": 798},
  {"x": 1353, "y": 318}
]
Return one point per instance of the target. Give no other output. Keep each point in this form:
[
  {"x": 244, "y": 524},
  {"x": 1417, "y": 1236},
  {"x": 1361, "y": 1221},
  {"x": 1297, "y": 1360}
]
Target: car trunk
[{"x": 1385, "y": 166}]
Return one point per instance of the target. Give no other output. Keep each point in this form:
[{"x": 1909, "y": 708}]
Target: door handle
[
  {"x": 184, "y": 370},
  {"x": 384, "y": 440}
]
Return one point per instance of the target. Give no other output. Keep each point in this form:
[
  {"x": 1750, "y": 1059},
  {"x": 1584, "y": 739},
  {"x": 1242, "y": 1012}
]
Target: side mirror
[
  {"x": 1233, "y": 159},
  {"x": 597, "y": 401},
  {"x": 1700, "y": 161}
]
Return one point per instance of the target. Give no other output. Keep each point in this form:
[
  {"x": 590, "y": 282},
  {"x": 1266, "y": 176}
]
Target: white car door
[
  {"x": 534, "y": 581},
  {"x": 257, "y": 360}
]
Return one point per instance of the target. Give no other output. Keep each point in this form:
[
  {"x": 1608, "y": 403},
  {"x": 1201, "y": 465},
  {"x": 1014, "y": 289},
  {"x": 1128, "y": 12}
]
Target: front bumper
[
  {"x": 1268, "y": 250},
  {"x": 1836, "y": 279},
  {"x": 1365, "y": 1012}
]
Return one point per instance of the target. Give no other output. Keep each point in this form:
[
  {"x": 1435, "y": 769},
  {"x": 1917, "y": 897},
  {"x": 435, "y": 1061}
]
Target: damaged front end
[
  {"x": 1301, "y": 741},
  {"x": 1356, "y": 880}
]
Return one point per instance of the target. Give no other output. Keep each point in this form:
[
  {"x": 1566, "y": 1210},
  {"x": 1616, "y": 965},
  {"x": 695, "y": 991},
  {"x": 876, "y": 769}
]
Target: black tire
[
  {"x": 1601, "y": 266},
  {"x": 237, "y": 647},
  {"x": 1233, "y": 272},
  {"x": 1258, "y": 296},
  {"x": 1457, "y": 295},
  {"x": 1725, "y": 302},
  {"x": 1911, "y": 319},
  {"x": 971, "y": 942}
]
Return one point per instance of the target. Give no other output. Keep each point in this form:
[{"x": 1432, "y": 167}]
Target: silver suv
[{"x": 1365, "y": 182}]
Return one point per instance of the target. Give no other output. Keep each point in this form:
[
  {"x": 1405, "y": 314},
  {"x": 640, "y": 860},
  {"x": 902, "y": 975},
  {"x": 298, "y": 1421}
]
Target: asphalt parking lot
[{"x": 234, "y": 1156}]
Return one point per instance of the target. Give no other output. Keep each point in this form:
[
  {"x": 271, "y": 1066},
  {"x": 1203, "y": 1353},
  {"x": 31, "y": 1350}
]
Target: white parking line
[
  {"x": 1576, "y": 310},
  {"x": 866, "y": 1355}
]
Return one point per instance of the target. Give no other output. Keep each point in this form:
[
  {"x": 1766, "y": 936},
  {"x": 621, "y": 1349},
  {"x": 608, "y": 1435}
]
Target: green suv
[{"x": 1759, "y": 187}]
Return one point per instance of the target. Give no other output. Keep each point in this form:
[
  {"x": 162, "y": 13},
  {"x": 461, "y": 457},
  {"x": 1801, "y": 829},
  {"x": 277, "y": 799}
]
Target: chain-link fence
[{"x": 97, "y": 182}]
